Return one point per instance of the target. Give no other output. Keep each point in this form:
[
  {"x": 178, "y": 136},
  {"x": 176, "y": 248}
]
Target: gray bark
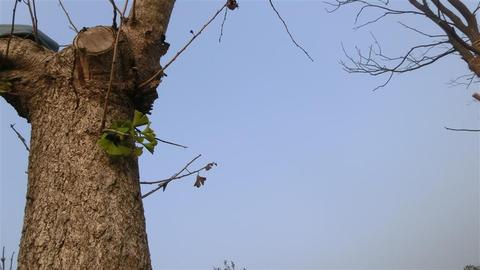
[{"x": 83, "y": 208}]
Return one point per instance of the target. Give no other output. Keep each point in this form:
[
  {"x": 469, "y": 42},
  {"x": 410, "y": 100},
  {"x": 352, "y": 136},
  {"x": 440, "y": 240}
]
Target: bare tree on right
[{"x": 459, "y": 34}]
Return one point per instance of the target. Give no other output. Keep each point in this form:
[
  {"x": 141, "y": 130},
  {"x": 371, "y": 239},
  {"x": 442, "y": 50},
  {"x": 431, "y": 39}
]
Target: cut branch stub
[
  {"x": 94, "y": 47},
  {"x": 95, "y": 41}
]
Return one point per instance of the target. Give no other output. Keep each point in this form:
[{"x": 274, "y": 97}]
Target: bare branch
[
  {"x": 110, "y": 81},
  {"x": 223, "y": 23},
  {"x": 68, "y": 17},
  {"x": 112, "y": 68},
  {"x": 458, "y": 38},
  {"x": 469, "y": 16},
  {"x": 2, "y": 259},
  {"x": 288, "y": 31},
  {"x": 421, "y": 32},
  {"x": 161, "y": 70},
  {"x": 458, "y": 43},
  {"x": 452, "y": 16},
  {"x": 464, "y": 80},
  {"x": 33, "y": 17},
  {"x": 462, "y": 129},
  {"x": 20, "y": 137},
  {"x": 115, "y": 10},
  {"x": 171, "y": 143},
  {"x": 163, "y": 183},
  {"x": 11, "y": 260},
  {"x": 415, "y": 58},
  {"x": 12, "y": 28}
]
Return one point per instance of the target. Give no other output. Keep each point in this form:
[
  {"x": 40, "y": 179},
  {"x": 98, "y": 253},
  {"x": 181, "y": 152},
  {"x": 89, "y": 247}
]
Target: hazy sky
[{"x": 315, "y": 170}]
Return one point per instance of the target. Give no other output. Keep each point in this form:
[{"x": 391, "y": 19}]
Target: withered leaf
[
  {"x": 210, "y": 165},
  {"x": 232, "y": 4},
  {"x": 200, "y": 181}
]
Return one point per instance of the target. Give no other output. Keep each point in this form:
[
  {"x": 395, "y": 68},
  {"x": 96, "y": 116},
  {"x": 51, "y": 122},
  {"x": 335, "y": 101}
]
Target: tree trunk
[{"x": 84, "y": 208}]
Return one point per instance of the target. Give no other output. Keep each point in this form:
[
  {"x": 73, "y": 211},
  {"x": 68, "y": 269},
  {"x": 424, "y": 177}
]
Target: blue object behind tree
[{"x": 26, "y": 31}]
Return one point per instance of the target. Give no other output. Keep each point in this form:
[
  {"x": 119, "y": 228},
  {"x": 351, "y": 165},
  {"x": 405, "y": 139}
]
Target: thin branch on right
[
  {"x": 182, "y": 173},
  {"x": 288, "y": 30},
  {"x": 456, "y": 21}
]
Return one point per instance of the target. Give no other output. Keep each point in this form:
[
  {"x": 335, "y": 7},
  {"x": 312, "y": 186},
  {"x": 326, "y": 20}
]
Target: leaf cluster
[{"x": 125, "y": 138}]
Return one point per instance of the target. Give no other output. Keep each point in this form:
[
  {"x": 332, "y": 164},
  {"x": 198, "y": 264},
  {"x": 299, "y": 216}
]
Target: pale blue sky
[{"x": 315, "y": 170}]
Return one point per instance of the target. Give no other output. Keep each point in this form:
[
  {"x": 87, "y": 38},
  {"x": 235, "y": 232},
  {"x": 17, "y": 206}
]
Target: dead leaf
[
  {"x": 210, "y": 165},
  {"x": 232, "y": 4},
  {"x": 200, "y": 181}
]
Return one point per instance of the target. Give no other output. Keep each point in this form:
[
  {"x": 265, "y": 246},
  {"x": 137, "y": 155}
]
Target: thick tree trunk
[{"x": 83, "y": 208}]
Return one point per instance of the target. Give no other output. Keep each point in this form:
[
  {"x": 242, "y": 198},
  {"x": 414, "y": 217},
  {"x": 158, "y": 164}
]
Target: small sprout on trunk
[{"x": 123, "y": 137}]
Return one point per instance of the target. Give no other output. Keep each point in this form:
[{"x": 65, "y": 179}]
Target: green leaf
[
  {"x": 5, "y": 86},
  {"x": 139, "y": 139},
  {"x": 113, "y": 148},
  {"x": 150, "y": 146},
  {"x": 140, "y": 119},
  {"x": 122, "y": 126},
  {"x": 115, "y": 140},
  {"x": 138, "y": 151},
  {"x": 149, "y": 134}
]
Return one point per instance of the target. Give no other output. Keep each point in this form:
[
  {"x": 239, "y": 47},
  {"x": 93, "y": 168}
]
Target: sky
[{"x": 315, "y": 170}]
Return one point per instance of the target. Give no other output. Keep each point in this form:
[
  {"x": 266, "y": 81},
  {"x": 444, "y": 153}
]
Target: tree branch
[
  {"x": 415, "y": 58},
  {"x": 12, "y": 28},
  {"x": 20, "y": 137},
  {"x": 25, "y": 66},
  {"x": 374, "y": 62},
  {"x": 161, "y": 70},
  {"x": 72, "y": 25},
  {"x": 145, "y": 33},
  {"x": 33, "y": 17},
  {"x": 462, "y": 129},
  {"x": 163, "y": 183},
  {"x": 469, "y": 16},
  {"x": 288, "y": 31}
]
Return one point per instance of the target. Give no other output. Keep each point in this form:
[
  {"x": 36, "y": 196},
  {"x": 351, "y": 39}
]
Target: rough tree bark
[{"x": 83, "y": 208}]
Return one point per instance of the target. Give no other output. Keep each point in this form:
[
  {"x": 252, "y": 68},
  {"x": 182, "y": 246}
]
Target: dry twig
[
  {"x": 12, "y": 28},
  {"x": 221, "y": 27},
  {"x": 288, "y": 31},
  {"x": 11, "y": 260},
  {"x": 112, "y": 68},
  {"x": 161, "y": 70},
  {"x": 462, "y": 129},
  {"x": 163, "y": 183},
  {"x": 20, "y": 137},
  {"x": 2, "y": 259},
  {"x": 72, "y": 25},
  {"x": 33, "y": 17},
  {"x": 116, "y": 9},
  {"x": 457, "y": 22}
]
